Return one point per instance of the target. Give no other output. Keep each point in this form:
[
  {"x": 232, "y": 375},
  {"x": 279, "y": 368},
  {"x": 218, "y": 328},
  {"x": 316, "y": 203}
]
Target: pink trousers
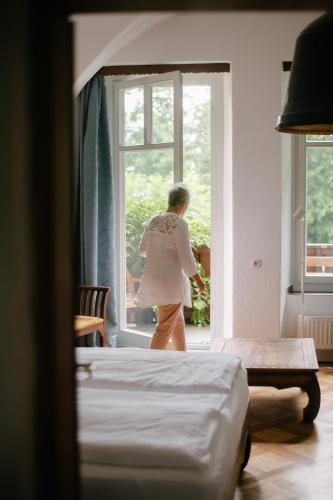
[{"x": 170, "y": 324}]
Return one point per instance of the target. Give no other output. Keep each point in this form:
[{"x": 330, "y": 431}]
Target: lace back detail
[{"x": 164, "y": 223}]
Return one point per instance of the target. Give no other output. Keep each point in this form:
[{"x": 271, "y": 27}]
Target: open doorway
[
  {"x": 166, "y": 128},
  {"x": 148, "y": 175}
]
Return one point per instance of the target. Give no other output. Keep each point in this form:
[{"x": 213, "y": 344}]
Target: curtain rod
[{"x": 148, "y": 69}]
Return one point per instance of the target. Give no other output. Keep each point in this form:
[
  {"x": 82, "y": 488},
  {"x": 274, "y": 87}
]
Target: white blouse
[{"x": 169, "y": 262}]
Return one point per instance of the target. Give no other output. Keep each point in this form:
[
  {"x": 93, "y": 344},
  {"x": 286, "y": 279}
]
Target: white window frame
[
  {"x": 216, "y": 81},
  {"x": 217, "y": 305},
  {"x": 118, "y": 148},
  {"x": 312, "y": 283}
]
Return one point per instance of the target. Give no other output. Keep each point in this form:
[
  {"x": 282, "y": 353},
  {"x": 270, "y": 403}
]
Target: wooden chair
[{"x": 92, "y": 302}]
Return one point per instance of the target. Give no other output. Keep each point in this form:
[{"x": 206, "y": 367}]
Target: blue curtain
[{"x": 95, "y": 209}]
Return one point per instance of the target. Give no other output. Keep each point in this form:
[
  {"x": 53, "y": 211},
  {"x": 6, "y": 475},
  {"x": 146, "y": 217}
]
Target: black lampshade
[{"x": 308, "y": 107}]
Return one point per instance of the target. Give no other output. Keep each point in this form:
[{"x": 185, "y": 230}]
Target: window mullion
[
  {"x": 178, "y": 128},
  {"x": 322, "y": 144},
  {"x": 118, "y": 131},
  {"x": 120, "y": 114},
  {"x": 300, "y": 202},
  {"x": 147, "y": 115},
  {"x": 147, "y": 147}
]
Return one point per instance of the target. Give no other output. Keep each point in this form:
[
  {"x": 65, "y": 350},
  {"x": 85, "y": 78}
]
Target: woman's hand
[{"x": 199, "y": 282}]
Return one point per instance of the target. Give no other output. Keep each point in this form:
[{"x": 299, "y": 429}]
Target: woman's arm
[{"x": 199, "y": 282}]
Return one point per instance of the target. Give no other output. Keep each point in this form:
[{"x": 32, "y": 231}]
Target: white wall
[
  {"x": 93, "y": 32},
  {"x": 99, "y": 37},
  {"x": 314, "y": 304},
  {"x": 255, "y": 44},
  {"x": 287, "y": 209}
]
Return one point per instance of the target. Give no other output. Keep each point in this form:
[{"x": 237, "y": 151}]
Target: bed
[{"x": 161, "y": 424}]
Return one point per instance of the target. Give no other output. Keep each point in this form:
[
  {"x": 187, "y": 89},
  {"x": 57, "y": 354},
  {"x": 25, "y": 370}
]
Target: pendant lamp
[{"x": 308, "y": 106}]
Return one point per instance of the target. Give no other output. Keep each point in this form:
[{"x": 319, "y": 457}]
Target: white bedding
[{"x": 159, "y": 424}]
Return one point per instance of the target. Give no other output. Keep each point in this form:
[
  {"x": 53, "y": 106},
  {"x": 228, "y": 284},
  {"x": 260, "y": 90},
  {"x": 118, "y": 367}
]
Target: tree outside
[{"x": 319, "y": 190}]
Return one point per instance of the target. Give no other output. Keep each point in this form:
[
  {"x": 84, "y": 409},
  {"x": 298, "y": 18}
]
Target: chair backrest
[{"x": 93, "y": 300}]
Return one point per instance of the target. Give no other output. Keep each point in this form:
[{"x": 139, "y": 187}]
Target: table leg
[
  {"x": 306, "y": 382},
  {"x": 312, "y": 389},
  {"x": 247, "y": 450}
]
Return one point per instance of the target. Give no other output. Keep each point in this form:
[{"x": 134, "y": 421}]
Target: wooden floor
[{"x": 289, "y": 459}]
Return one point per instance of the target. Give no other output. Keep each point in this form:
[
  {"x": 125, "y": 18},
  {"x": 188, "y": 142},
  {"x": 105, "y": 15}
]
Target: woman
[{"x": 169, "y": 262}]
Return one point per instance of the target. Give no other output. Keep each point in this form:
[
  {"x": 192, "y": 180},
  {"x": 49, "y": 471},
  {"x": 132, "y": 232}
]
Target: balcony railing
[{"x": 319, "y": 258}]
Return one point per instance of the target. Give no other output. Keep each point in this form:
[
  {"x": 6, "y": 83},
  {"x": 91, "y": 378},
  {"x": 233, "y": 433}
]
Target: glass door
[
  {"x": 169, "y": 129},
  {"x": 149, "y": 157}
]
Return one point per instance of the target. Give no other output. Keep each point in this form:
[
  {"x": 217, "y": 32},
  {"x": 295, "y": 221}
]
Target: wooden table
[{"x": 280, "y": 363}]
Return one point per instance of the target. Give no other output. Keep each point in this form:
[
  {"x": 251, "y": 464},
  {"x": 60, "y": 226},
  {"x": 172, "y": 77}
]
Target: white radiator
[{"x": 320, "y": 328}]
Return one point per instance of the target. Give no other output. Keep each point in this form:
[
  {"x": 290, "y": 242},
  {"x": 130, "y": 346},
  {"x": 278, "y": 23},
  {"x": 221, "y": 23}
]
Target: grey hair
[{"x": 178, "y": 195}]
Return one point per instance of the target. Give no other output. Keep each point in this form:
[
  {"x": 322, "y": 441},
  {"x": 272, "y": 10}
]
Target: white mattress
[{"x": 159, "y": 424}]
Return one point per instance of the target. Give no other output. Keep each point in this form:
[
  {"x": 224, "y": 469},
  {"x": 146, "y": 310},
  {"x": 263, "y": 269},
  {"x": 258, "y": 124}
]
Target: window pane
[
  {"x": 149, "y": 176},
  {"x": 319, "y": 217},
  {"x": 197, "y": 160},
  {"x": 132, "y": 116},
  {"x": 162, "y": 113},
  {"x": 319, "y": 138},
  {"x": 197, "y": 174}
]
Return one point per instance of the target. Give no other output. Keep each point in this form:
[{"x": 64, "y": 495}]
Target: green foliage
[
  {"x": 196, "y": 133},
  {"x": 200, "y": 301},
  {"x": 150, "y": 162},
  {"x": 163, "y": 105},
  {"x": 319, "y": 138},
  {"x": 198, "y": 213},
  {"x": 196, "y": 130},
  {"x": 199, "y": 232},
  {"x": 319, "y": 195}
]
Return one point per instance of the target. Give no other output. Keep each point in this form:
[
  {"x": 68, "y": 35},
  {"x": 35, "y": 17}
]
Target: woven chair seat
[
  {"x": 82, "y": 322},
  {"x": 91, "y": 309}
]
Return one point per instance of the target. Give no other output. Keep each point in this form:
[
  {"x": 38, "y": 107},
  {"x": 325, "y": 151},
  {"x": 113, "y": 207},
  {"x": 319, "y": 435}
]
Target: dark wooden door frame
[
  {"x": 106, "y": 6},
  {"x": 38, "y": 420},
  {"x": 51, "y": 198}
]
